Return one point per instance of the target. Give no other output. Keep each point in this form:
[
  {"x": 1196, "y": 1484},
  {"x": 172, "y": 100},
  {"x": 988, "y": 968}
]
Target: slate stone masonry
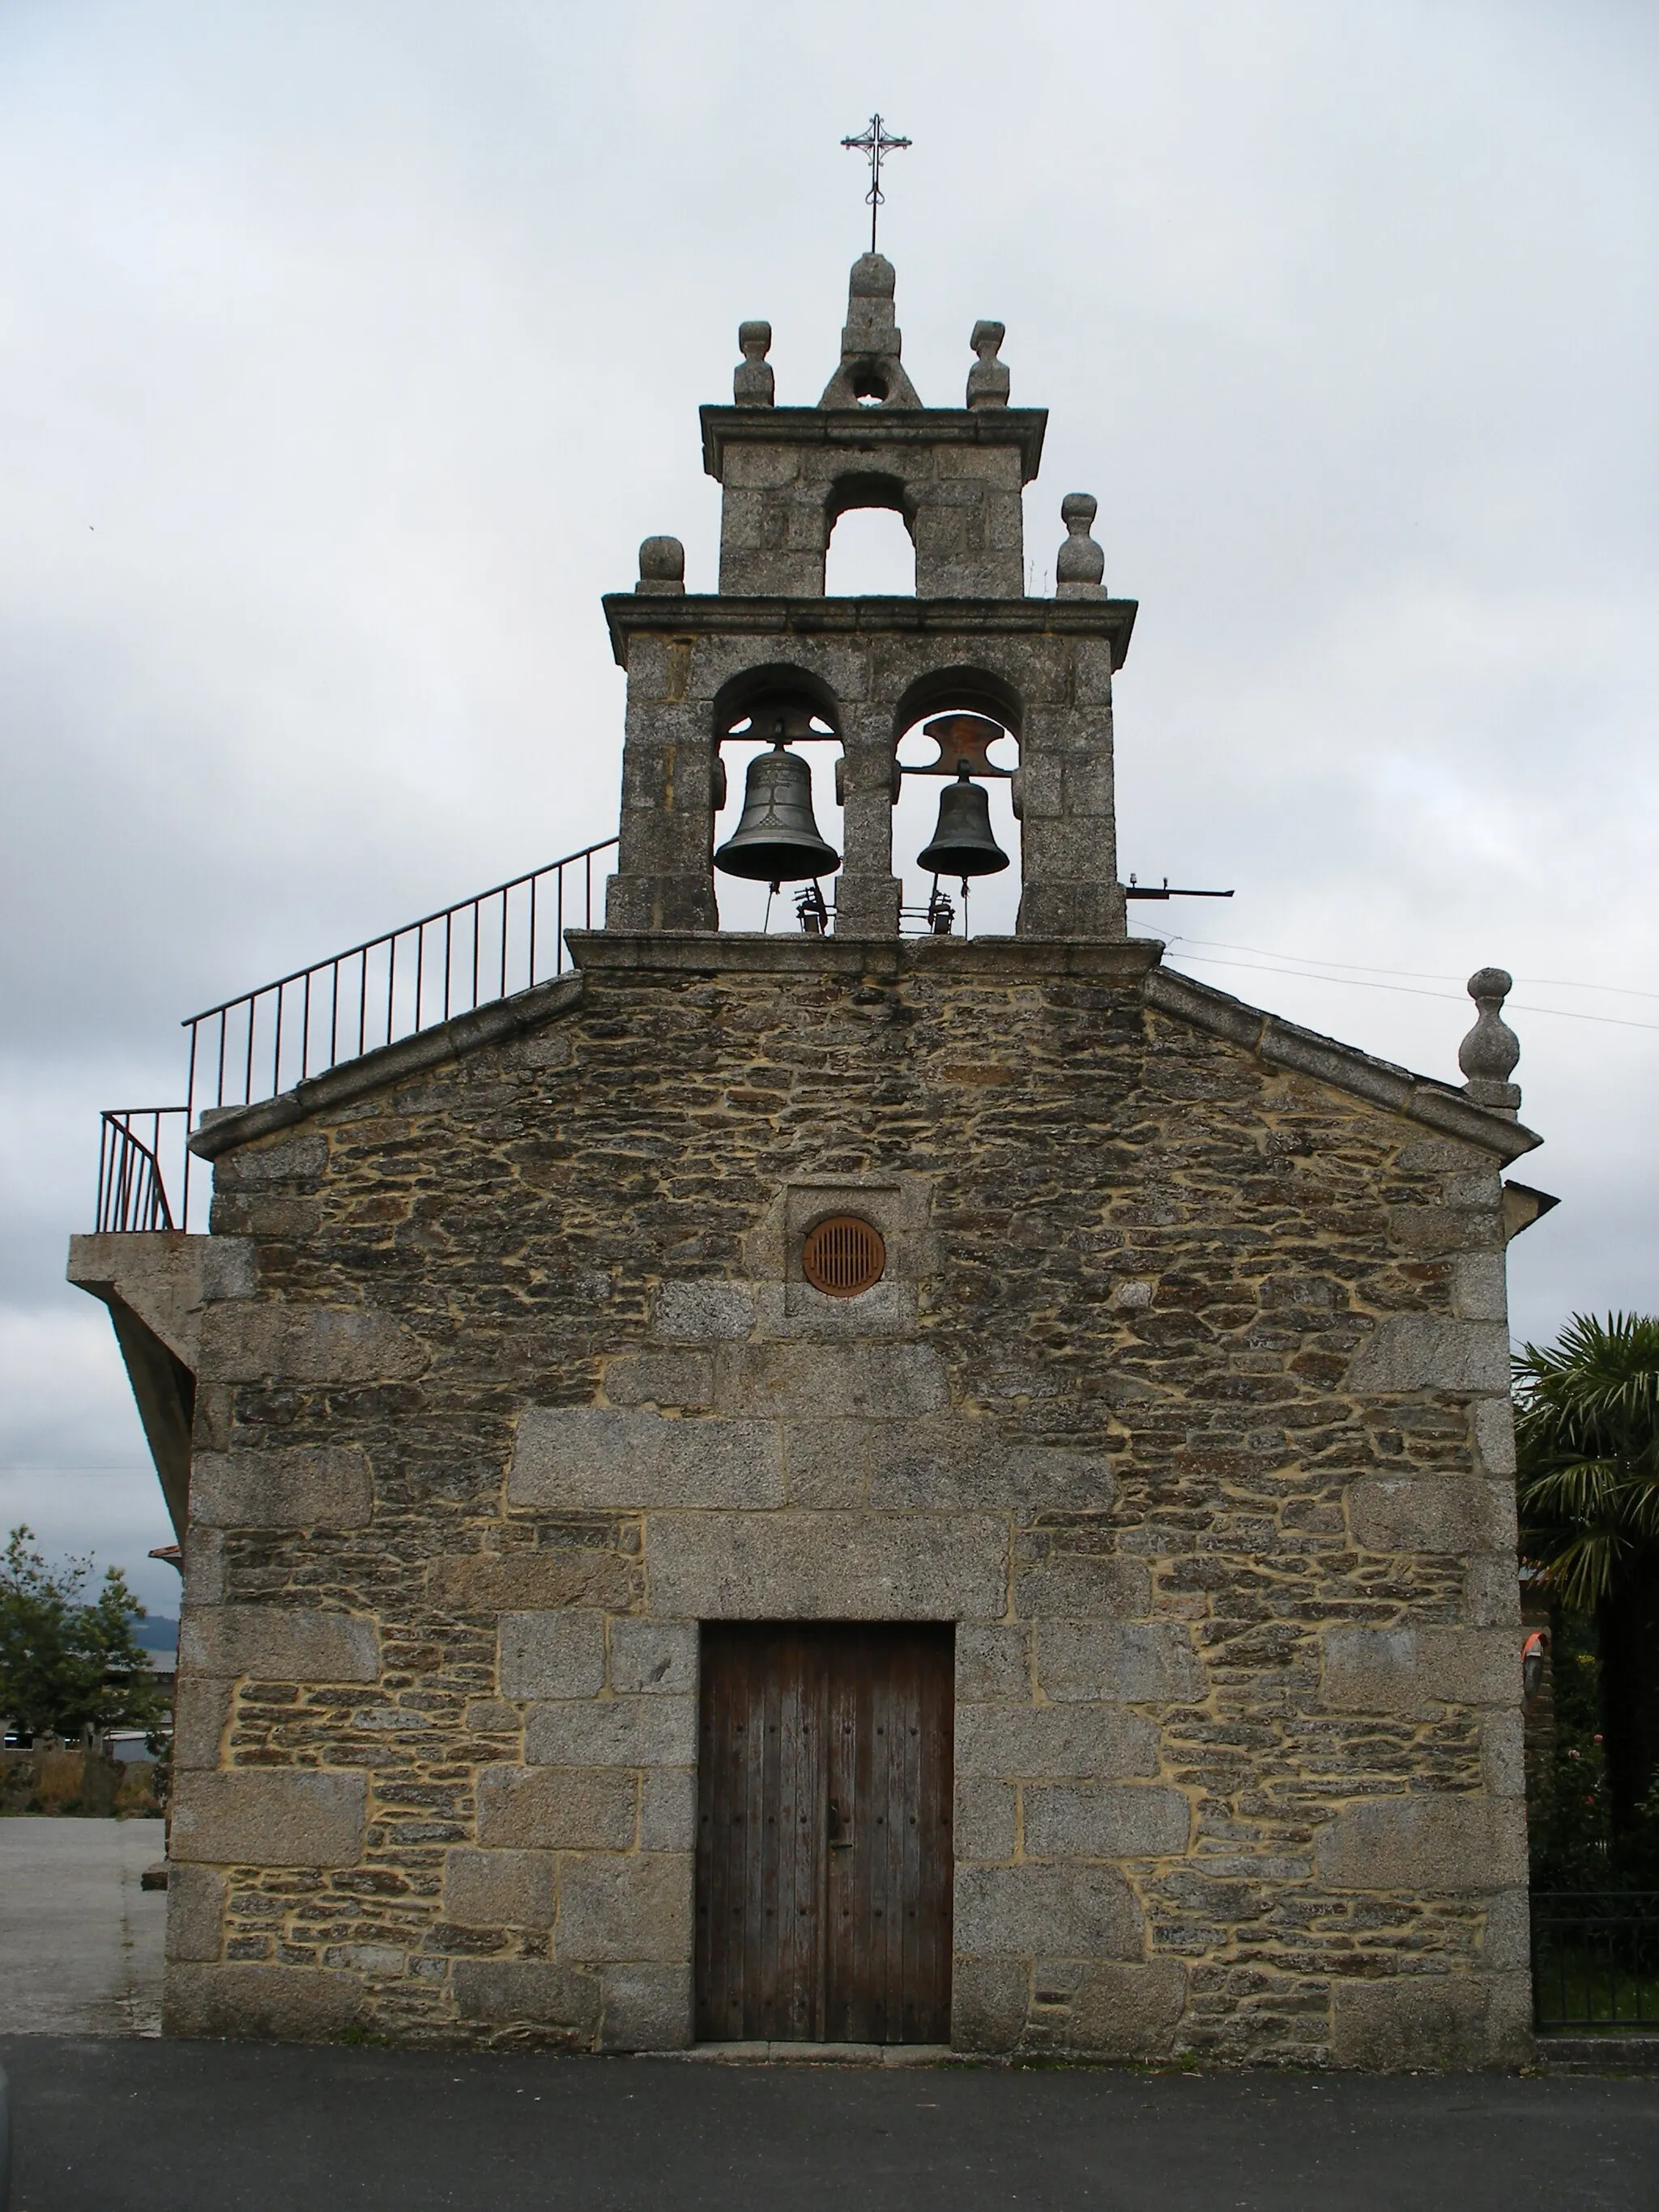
[{"x": 1183, "y": 1397}]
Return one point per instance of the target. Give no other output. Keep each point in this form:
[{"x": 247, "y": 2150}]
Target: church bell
[
  {"x": 777, "y": 840},
  {"x": 962, "y": 844}
]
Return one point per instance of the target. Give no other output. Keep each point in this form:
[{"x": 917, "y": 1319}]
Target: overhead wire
[{"x": 1359, "y": 982}]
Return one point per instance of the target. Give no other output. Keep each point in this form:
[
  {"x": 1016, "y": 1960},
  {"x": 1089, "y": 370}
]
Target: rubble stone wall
[{"x": 1183, "y": 1397}]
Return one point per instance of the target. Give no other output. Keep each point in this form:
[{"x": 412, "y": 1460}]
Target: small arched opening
[
  {"x": 988, "y": 741},
  {"x": 752, "y": 713},
  {"x": 869, "y": 535}
]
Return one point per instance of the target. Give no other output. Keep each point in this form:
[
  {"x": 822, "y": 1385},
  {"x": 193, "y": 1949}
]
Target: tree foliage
[
  {"x": 1587, "y": 1437},
  {"x": 66, "y": 1664}
]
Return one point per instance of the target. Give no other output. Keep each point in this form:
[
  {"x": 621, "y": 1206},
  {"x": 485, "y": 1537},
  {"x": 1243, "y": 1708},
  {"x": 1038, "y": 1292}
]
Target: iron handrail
[
  {"x": 131, "y": 1187},
  {"x": 415, "y": 977}
]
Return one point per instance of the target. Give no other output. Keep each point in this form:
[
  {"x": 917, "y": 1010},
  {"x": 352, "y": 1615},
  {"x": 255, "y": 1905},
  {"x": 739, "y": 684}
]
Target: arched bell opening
[
  {"x": 957, "y": 747},
  {"x": 779, "y": 820},
  {"x": 869, "y": 552}
]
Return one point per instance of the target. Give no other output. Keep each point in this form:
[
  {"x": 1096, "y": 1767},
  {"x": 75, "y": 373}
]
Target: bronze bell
[
  {"x": 777, "y": 840},
  {"x": 962, "y": 844}
]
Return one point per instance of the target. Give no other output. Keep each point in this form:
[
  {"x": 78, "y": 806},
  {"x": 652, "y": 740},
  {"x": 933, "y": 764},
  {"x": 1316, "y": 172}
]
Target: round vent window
[{"x": 843, "y": 1257}]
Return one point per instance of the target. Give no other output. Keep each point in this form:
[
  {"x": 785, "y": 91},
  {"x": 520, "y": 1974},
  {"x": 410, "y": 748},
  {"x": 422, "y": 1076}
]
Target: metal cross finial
[{"x": 875, "y": 144}]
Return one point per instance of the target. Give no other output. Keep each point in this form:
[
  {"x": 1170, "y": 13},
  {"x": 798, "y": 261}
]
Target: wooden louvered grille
[{"x": 843, "y": 1257}]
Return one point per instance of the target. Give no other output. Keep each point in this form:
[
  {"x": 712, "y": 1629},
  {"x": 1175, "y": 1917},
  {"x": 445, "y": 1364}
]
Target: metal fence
[
  {"x": 1596, "y": 1959},
  {"x": 259, "y": 1045}
]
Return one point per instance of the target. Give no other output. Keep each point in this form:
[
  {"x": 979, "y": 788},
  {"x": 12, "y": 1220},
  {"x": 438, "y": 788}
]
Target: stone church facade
[{"x": 1097, "y": 1634}]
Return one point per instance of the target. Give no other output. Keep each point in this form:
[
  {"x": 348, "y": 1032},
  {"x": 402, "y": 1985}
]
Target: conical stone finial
[
  {"x": 752, "y": 380},
  {"x": 870, "y": 342},
  {"x": 1488, "y": 1053},
  {"x": 988, "y": 380},
  {"x": 1080, "y": 564}
]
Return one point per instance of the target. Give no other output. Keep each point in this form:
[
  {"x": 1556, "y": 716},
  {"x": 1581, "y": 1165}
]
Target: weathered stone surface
[
  {"x": 243, "y": 1343},
  {"x": 988, "y": 1998},
  {"x": 551, "y": 1655},
  {"x": 655, "y": 1657},
  {"x": 1015, "y": 1911},
  {"x": 270, "y": 1817},
  {"x": 668, "y": 1808},
  {"x": 828, "y": 1566},
  {"x": 1420, "y": 2021},
  {"x": 994, "y": 1664},
  {"x": 266, "y": 2003},
  {"x": 1502, "y": 1752},
  {"x": 933, "y": 1464},
  {"x": 703, "y": 1312},
  {"x": 1403, "y": 1669},
  {"x": 1425, "y": 1352},
  {"x": 634, "y": 1907},
  {"x": 1439, "y": 1845},
  {"x": 987, "y": 1823},
  {"x": 500, "y": 1889},
  {"x": 501, "y": 1992},
  {"x": 280, "y": 1643},
  {"x": 531, "y": 1581},
  {"x": 542, "y": 1808},
  {"x": 1114, "y": 1822},
  {"x": 647, "y": 2008},
  {"x": 1506, "y": 1944},
  {"x": 196, "y": 1906},
  {"x": 309, "y": 1487},
  {"x": 1071, "y": 1586},
  {"x": 1430, "y": 1513},
  {"x": 1131, "y": 1662},
  {"x": 1061, "y": 1741},
  {"x": 1113, "y": 2011},
  {"x": 632, "y": 1731},
  {"x": 1492, "y": 1422},
  {"x": 611, "y": 1460},
  {"x": 826, "y": 1381},
  {"x": 661, "y": 1376},
  {"x": 201, "y": 1713}
]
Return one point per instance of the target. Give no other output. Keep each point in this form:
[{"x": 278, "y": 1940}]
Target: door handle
[{"x": 841, "y": 1832}]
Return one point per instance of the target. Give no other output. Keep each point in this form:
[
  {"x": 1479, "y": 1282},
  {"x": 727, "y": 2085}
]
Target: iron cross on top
[{"x": 874, "y": 143}]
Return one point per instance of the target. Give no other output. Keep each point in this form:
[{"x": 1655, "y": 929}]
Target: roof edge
[
  {"x": 1379, "y": 1082},
  {"x": 223, "y": 1128}
]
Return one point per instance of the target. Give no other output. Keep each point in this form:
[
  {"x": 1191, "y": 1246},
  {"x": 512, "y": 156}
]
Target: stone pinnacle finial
[
  {"x": 752, "y": 381},
  {"x": 870, "y": 342},
  {"x": 1488, "y": 1053},
  {"x": 662, "y": 567},
  {"x": 1080, "y": 564},
  {"x": 988, "y": 380}
]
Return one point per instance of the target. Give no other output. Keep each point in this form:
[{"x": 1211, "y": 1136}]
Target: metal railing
[
  {"x": 1595, "y": 1961},
  {"x": 255, "y": 1047},
  {"x": 131, "y": 1187}
]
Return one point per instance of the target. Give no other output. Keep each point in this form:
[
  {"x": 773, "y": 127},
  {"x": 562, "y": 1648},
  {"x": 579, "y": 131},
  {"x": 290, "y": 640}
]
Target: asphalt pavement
[
  {"x": 132, "y": 2125},
  {"x": 80, "y": 1942}
]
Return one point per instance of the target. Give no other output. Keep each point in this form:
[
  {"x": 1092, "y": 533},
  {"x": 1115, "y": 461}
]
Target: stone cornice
[
  {"x": 883, "y": 959},
  {"x": 713, "y": 614},
  {"x": 865, "y": 429},
  {"x": 1282, "y": 1044}
]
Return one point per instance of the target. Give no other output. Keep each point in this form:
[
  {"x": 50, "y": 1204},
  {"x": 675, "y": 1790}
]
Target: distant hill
[{"x": 159, "y": 1633}]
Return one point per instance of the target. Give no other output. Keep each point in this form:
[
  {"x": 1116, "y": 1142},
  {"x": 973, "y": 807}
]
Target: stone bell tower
[{"x": 860, "y": 672}]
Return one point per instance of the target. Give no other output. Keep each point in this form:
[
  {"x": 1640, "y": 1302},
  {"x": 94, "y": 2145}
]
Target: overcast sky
[{"x": 348, "y": 350}]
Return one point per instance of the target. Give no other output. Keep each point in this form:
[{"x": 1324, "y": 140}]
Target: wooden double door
[{"x": 823, "y": 1832}]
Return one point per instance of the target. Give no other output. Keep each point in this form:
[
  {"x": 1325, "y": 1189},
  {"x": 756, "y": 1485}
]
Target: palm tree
[{"x": 1587, "y": 1437}]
